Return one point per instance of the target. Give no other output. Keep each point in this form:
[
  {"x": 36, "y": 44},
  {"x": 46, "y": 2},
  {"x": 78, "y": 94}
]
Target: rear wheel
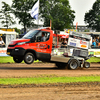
[
  {"x": 17, "y": 59},
  {"x": 29, "y": 58},
  {"x": 86, "y": 65},
  {"x": 73, "y": 64}
]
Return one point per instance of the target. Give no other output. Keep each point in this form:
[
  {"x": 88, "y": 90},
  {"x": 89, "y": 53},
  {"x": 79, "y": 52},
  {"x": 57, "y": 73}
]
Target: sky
[{"x": 79, "y": 6}]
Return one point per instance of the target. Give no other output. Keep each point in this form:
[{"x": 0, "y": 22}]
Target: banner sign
[
  {"x": 68, "y": 30},
  {"x": 94, "y": 52},
  {"x": 3, "y": 52},
  {"x": 78, "y": 43}
]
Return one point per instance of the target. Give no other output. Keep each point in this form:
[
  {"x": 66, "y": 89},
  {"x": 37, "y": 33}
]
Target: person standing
[
  {"x": 94, "y": 43},
  {"x": 1, "y": 42},
  {"x": 97, "y": 41}
]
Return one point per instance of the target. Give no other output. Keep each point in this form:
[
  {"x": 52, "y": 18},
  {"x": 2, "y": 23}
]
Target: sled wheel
[
  {"x": 86, "y": 65},
  {"x": 73, "y": 64}
]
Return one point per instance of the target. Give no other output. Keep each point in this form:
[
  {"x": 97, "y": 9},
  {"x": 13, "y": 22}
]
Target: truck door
[{"x": 43, "y": 45}]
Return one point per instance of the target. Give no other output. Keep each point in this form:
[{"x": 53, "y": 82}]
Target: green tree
[
  {"x": 87, "y": 30},
  {"x": 17, "y": 30},
  {"x": 59, "y": 11},
  {"x": 93, "y": 16},
  {"x": 5, "y": 16},
  {"x": 21, "y": 9}
]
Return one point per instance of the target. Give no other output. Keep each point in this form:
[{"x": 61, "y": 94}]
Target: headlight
[
  {"x": 11, "y": 42},
  {"x": 21, "y": 43}
]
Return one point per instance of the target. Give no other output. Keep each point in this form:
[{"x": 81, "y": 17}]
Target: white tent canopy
[
  {"x": 8, "y": 37},
  {"x": 6, "y": 32}
]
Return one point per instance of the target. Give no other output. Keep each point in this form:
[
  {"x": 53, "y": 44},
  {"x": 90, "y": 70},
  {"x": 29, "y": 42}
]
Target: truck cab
[{"x": 30, "y": 47}]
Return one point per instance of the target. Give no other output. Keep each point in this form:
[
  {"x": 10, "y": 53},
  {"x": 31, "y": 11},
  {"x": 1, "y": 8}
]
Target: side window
[
  {"x": 42, "y": 36},
  {"x": 38, "y": 37}
]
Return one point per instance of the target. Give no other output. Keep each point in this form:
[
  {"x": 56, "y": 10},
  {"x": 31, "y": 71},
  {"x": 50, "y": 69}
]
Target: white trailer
[{"x": 75, "y": 53}]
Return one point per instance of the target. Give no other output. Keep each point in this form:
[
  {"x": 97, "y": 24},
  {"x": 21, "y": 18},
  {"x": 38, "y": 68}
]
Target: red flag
[{"x": 76, "y": 25}]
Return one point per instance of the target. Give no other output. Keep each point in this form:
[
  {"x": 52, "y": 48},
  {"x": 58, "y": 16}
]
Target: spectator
[
  {"x": 79, "y": 38},
  {"x": 75, "y": 37},
  {"x": 43, "y": 37},
  {"x": 83, "y": 39},
  {"x": 99, "y": 44},
  {"x": 94, "y": 43},
  {"x": 97, "y": 40},
  {"x": 1, "y": 42},
  {"x": 64, "y": 43}
]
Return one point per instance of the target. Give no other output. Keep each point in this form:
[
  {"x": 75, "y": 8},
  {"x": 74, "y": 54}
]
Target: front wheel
[
  {"x": 29, "y": 58},
  {"x": 17, "y": 60}
]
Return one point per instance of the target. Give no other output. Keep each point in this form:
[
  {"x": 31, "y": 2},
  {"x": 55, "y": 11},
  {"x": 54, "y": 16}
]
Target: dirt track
[
  {"x": 24, "y": 70},
  {"x": 81, "y": 91}
]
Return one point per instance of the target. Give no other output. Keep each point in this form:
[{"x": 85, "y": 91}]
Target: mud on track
[
  {"x": 24, "y": 70},
  {"x": 73, "y": 91}
]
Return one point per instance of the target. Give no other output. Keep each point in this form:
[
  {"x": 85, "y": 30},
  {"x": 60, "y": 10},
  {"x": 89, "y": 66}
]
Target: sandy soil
[{"x": 73, "y": 91}]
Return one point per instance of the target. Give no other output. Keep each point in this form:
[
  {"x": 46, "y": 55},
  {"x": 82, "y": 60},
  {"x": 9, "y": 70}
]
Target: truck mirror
[{"x": 33, "y": 39}]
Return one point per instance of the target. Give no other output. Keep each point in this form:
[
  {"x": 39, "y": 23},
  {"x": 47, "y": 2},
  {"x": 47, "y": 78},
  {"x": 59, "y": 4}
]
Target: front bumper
[{"x": 16, "y": 52}]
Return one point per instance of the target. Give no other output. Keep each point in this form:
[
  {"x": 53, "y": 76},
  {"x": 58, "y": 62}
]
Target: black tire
[
  {"x": 18, "y": 60},
  {"x": 86, "y": 65},
  {"x": 73, "y": 64},
  {"x": 61, "y": 65},
  {"x": 29, "y": 58}
]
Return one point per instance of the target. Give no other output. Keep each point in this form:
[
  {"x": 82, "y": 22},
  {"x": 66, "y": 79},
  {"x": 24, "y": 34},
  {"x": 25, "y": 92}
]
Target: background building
[{"x": 83, "y": 28}]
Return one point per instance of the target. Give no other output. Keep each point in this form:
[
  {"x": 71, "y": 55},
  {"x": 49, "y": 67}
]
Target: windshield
[{"x": 30, "y": 34}]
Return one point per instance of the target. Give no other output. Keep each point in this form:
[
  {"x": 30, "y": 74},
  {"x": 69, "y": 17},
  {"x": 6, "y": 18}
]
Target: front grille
[{"x": 9, "y": 50}]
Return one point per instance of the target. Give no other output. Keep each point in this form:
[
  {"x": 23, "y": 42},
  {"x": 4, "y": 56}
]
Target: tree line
[{"x": 58, "y": 11}]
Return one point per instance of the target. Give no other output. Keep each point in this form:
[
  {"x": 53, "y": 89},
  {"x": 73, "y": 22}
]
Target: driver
[{"x": 43, "y": 37}]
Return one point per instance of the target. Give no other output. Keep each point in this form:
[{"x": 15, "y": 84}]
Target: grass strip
[
  {"x": 94, "y": 60},
  {"x": 41, "y": 80},
  {"x": 9, "y": 59}
]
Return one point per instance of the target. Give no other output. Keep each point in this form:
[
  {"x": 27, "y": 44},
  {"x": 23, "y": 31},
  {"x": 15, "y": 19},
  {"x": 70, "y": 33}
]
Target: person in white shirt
[{"x": 1, "y": 42}]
